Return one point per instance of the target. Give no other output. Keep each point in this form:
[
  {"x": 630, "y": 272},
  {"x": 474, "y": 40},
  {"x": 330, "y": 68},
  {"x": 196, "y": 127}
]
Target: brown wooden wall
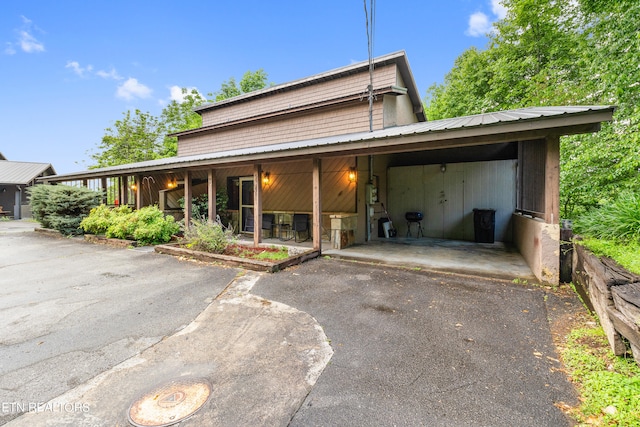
[
  {"x": 349, "y": 118},
  {"x": 354, "y": 84}
]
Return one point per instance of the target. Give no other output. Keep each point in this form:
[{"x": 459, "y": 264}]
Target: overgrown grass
[
  {"x": 625, "y": 254},
  {"x": 609, "y": 385},
  {"x": 613, "y": 230}
]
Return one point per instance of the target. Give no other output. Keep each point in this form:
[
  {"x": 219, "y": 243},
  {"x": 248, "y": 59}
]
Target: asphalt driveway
[
  {"x": 415, "y": 349},
  {"x": 94, "y": 325}
]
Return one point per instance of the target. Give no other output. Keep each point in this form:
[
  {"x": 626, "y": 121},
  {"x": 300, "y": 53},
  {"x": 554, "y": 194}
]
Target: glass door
[{"x": 246, "y": 204}]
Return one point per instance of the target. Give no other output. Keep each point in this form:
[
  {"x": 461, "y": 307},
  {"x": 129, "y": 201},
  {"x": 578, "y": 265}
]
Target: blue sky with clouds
[{"x": 70, "y": 68}]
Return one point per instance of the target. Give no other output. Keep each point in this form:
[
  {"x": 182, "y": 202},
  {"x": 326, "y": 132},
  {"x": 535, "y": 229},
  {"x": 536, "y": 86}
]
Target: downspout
[{"x": 17, "y": 208}]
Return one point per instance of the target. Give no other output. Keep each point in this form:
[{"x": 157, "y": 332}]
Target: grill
[{"x": 414, "y": 216}]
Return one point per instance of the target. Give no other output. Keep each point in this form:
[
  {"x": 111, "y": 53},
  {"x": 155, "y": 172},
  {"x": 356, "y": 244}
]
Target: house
[
  {"x": 322, "y": 147},
  {"x": 15, "y": 178}
]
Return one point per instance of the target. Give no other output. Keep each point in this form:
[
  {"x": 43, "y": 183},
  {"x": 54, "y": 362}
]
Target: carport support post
[
  {"x": 138, "y": 191},
  {"x": 317, "y": 205},
  {"x": 187, "y": 199},
  {"x": 103, "y": 184},
  {"x": 257, "y": 204},
  {"x": 211, "y": 195},
  {"x": 552, "y": 180}
]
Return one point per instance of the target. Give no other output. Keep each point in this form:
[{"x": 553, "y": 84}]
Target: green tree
[
  {"x": 251, "y": 81},
  {"x": 180, "y": 116},
  {"x": 134, "y": 138},
  {"x": 142, "y": 136},
  {"x": 547, "y": 52}
]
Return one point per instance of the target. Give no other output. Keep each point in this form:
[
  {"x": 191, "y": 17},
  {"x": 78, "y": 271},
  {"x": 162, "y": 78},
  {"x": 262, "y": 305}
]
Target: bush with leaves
[
  {"x": 147, "y": 225},
  {"x": 101, "y": 218},
  {"x": 208, "y": 237},
  {"x": 62, "y": 207}
]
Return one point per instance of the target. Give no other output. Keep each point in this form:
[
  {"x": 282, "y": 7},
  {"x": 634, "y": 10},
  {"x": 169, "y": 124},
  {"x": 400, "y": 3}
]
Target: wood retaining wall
[{"x": 614, "y": 294}]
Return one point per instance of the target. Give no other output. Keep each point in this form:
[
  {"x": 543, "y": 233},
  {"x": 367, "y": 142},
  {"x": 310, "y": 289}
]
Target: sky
[{"x": 70, "y": 68}]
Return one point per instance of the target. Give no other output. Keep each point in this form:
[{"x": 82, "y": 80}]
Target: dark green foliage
[
  {"x": 547, "y": 52},
  {"x": 618, "y": 221},
  {"x": 200, "y": 206},
  {"x": 61, "y": 207}
]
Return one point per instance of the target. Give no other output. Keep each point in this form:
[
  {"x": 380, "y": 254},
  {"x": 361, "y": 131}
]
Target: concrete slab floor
[
  {"x": 492, "y": 260},
  {"x": 495, "y": 260}
]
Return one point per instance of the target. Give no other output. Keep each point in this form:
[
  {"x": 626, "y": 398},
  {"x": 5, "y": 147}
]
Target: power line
[{"x": 370, "y": 27}]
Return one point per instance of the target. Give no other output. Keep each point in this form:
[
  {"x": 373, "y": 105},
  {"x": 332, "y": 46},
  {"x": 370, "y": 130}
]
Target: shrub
[
  {"x": 101, "y": 217},
  {"x": 208, "y": 237},
  {"x": 147, "y": 225},
  {"x": 618, "y": 221},
  {"x": 62, "y": 207},
  {"x": 151, "y": 226}
]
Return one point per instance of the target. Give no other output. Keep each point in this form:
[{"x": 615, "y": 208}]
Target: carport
[{"x": 529, "y": 138}]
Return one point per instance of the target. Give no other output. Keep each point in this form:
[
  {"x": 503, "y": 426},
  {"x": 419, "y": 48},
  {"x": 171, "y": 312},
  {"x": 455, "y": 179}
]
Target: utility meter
[{"x": 372, "y": 194}]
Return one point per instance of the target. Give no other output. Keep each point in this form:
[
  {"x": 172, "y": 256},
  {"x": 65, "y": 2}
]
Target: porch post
[
  {"x": 257, "y": 204},
  {"x": 103, "y": 184},
  {"x": 552, "y": 180},
  {"x": 124, "y": 200},
  {"x": 211, "y": 193},
  {"x": 138, "y": 192},
  {"x": 187, "y": 199},
  {"x": 317, "y": 205}
]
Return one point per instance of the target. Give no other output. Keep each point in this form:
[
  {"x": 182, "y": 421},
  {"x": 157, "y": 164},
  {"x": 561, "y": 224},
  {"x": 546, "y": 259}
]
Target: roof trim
[
  {"x": 497, "y": 127},
  {"x": 22, "y": 173}
]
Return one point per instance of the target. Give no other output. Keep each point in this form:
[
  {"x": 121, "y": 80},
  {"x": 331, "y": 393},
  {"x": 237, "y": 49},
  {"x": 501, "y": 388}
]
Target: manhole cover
[{"x": 170, "y": 403}]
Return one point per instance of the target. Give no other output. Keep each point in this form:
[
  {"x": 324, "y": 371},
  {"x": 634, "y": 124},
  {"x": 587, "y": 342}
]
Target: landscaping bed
[{"x": 296, "y": 256}]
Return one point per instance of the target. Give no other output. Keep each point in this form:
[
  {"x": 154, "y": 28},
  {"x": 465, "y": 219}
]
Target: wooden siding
[
  {"x": 291, "y": 185},
  {"x": 531, "y": 177},
  {"x": 347, "y": 119},
  {"x": 312, "y": 94}
]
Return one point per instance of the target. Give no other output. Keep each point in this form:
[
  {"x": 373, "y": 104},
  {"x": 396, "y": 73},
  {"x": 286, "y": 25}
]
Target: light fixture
[
  {"x": 266, "y": 178},
  {"x": 133, "y": 187},
  {"x": 172, "y": 183},
  {"x": 443, "y": 168},
  {"x": 353, "y": 175}
]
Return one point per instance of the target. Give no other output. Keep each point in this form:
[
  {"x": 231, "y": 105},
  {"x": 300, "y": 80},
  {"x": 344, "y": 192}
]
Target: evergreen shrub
[{"x": 62, "y": 207}]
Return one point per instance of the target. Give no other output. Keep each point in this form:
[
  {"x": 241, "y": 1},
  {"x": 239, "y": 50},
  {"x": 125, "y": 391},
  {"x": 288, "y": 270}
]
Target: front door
[{"x": 246, "y": 204}]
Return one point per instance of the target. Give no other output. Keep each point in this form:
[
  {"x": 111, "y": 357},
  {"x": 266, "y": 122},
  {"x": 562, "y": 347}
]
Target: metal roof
[
  {"x": 497, "y": 127},
  {"x": 22, "y": 173}
]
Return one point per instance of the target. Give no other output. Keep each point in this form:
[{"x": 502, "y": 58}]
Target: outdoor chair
[
  {"x": 268, "y": 221},
  {"x": 300, "y": 225}
]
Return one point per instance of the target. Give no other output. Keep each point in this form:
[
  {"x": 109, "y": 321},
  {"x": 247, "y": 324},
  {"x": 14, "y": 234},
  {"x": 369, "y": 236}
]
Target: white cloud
[
  {"x": 132, "y": 88},
  {"x": 177, "y": 95},
  {"x": 111, "y": 74},
  {"x": 479, "y": 25},
  {"x": 25, "y": 40},
  {"x": 498, "y": 9},
  {"x": 75, "y": 66}
]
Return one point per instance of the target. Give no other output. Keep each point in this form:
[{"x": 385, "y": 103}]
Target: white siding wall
[{"x": 447, "y": 199}]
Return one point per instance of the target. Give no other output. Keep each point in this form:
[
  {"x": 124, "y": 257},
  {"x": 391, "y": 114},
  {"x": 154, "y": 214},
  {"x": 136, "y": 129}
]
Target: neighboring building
[
  {"x": 316, "y": 146},
  {"x": 15, "y": 178}
]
